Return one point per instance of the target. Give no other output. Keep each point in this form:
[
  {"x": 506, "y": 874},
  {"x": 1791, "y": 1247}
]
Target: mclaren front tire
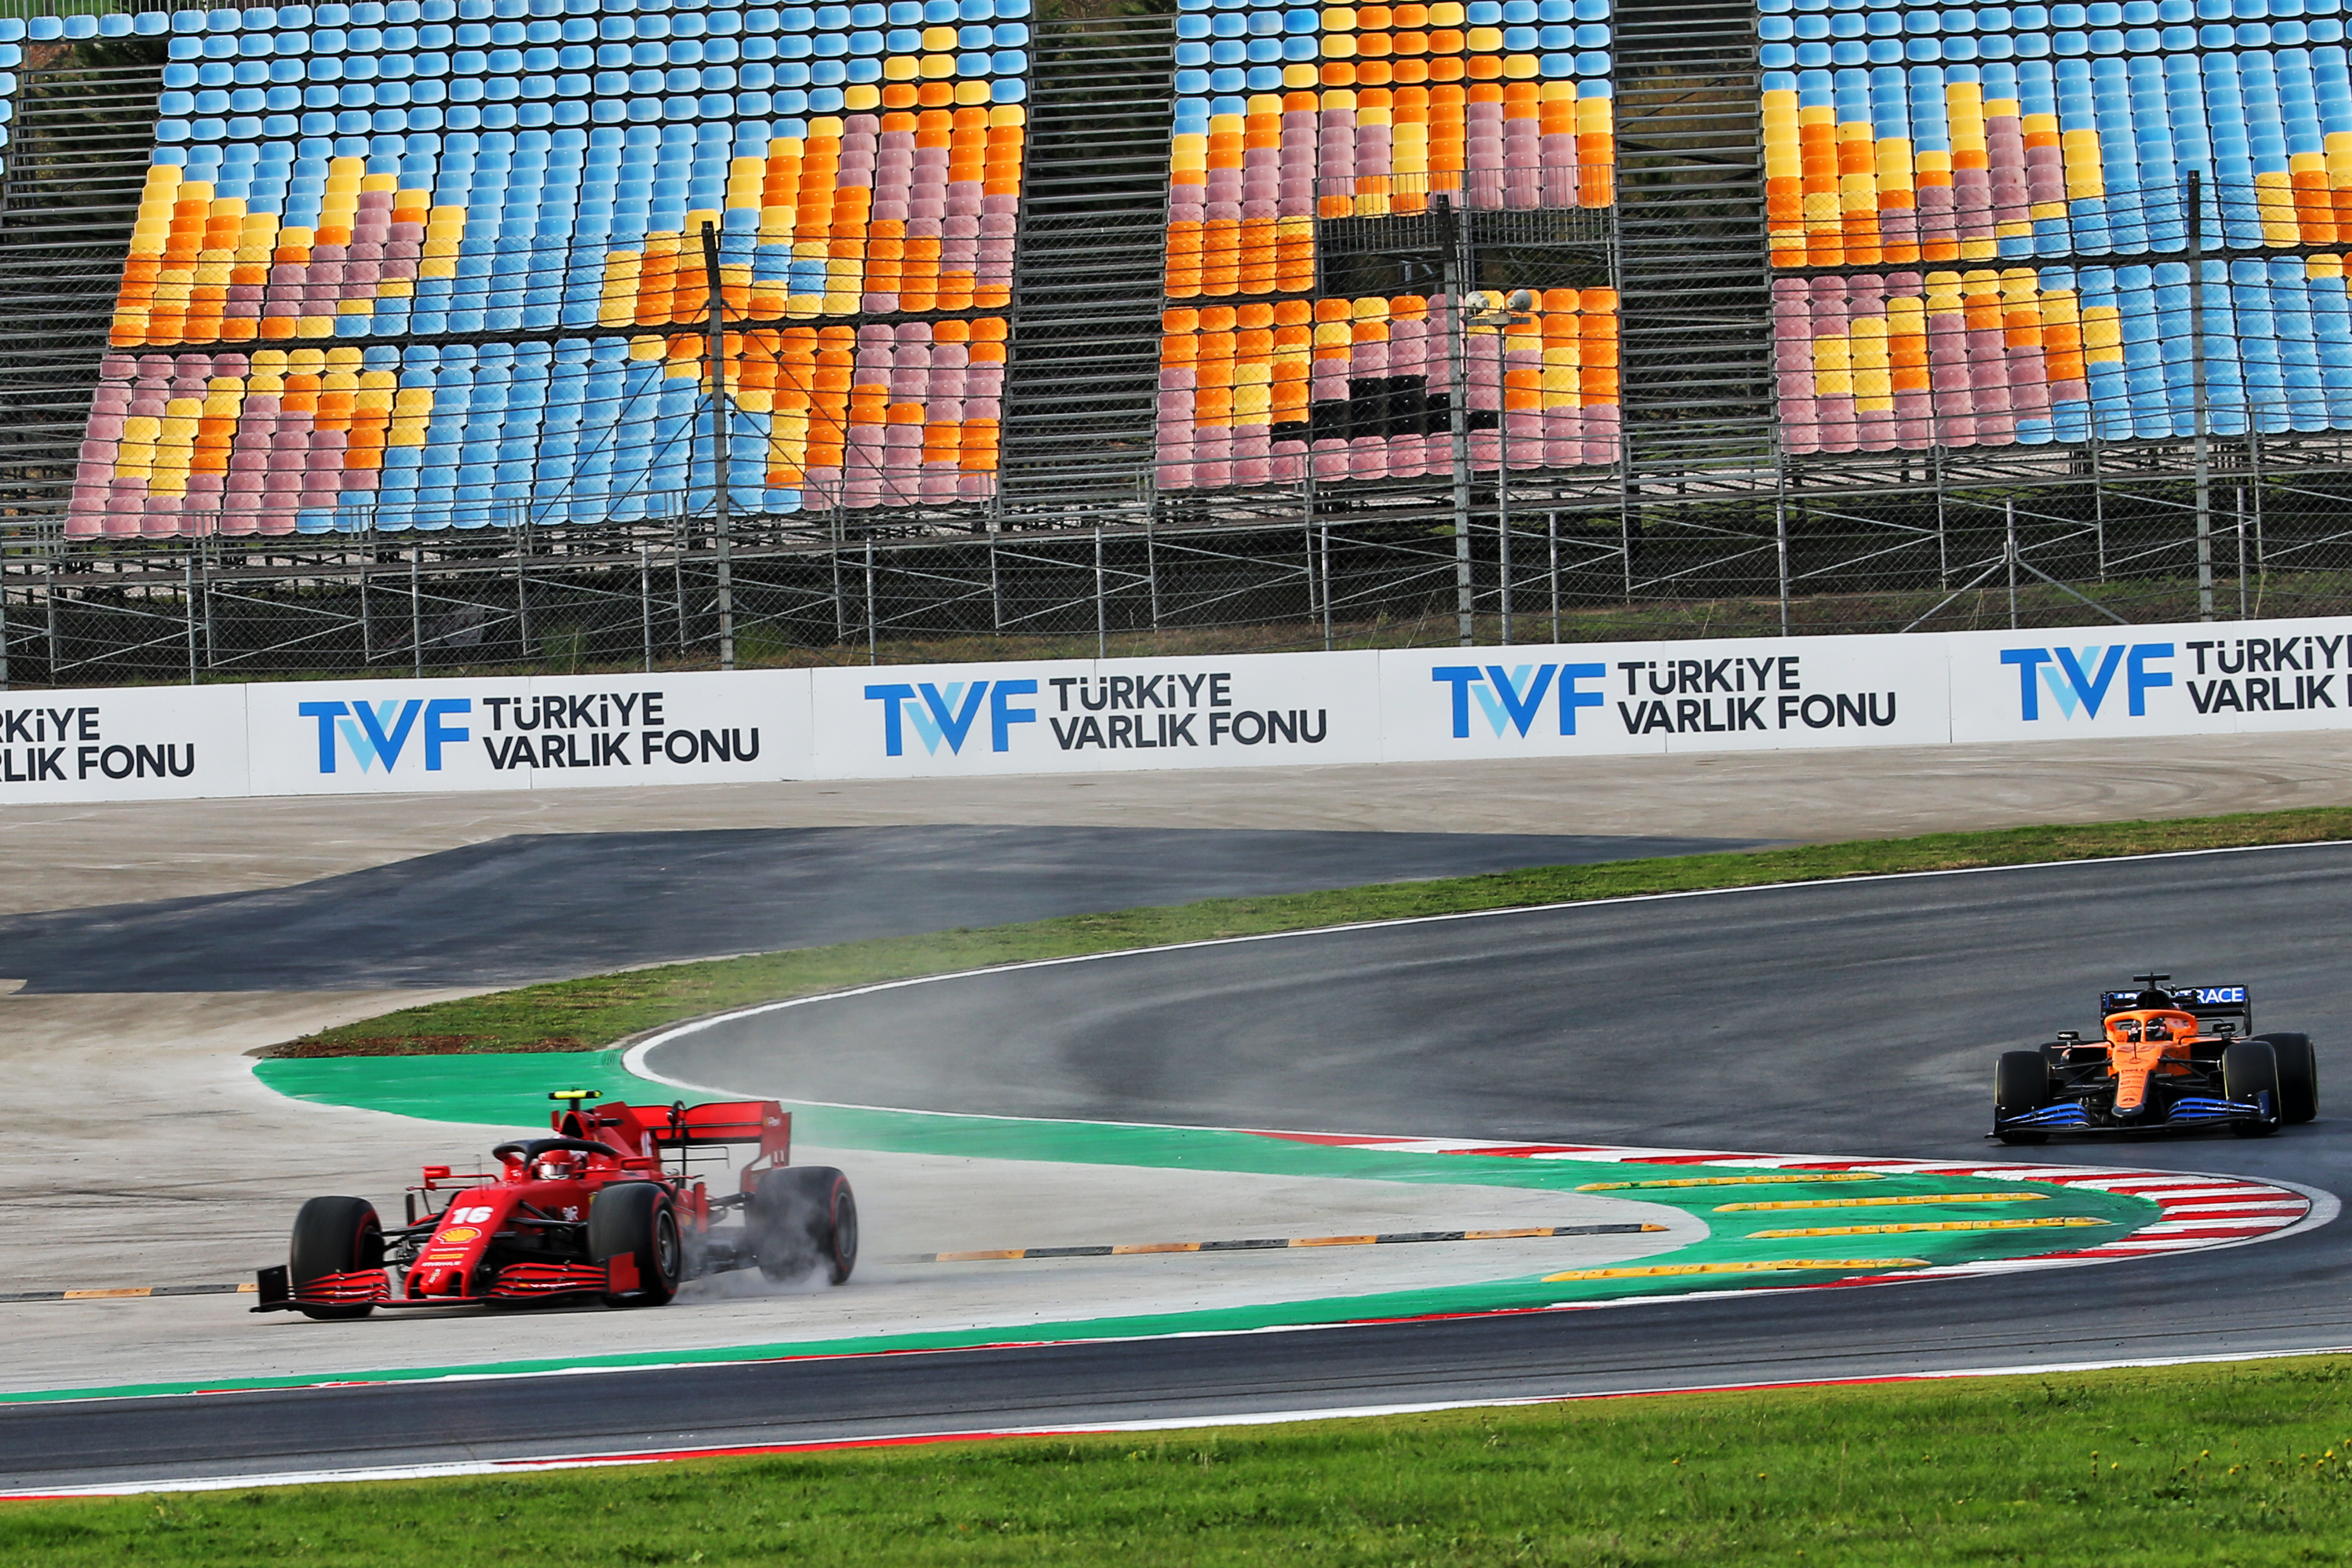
[
  {"x": 2249, "y": 1074},
  {"x": 2020, "y": 1084},
  {"x": 2298, "y": 1071}
]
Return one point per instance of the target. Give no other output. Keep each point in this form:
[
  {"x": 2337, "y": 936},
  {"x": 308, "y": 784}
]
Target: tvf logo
[
  {"x": 373, "y": 733},
  {"x": 937, "y": 714},
  {"x": 2084, "y": 678},
  {"x": 1510, "y": 700}
]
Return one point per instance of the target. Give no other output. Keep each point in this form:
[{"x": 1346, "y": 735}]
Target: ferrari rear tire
[
  {"x": 804, "y": 1218},
  {"x": 637, "y": 1219},
  {"x": 2021, "y": 1082},
  {"x": 334, "y": 1235},
  {"x": 2298, "y": 1070},
  {"x": 2250, "y": 1069}
]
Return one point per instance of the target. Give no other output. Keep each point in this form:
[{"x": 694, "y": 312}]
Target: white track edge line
[
  {"x": 634, "y": 1059},
  {"x": 531, "y": 1466}
]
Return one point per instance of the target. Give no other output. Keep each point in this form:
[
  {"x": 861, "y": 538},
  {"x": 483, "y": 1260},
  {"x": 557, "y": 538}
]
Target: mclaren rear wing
[{"x": 2213, "y": 1005}]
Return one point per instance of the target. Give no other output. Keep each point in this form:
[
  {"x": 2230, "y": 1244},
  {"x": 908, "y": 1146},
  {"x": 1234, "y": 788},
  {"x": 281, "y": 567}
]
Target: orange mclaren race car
[
  {"x": 609, "y": 1209},
  {"x": 2169, "y": 1058}
]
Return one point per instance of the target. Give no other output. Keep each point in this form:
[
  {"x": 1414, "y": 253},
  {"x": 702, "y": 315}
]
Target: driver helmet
[
  {"x": 2159, "y": 1029},
  {"x": 559, "y": 1165}
]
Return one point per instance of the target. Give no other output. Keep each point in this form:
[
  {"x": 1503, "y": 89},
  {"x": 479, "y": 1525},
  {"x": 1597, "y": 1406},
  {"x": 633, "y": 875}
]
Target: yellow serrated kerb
[
  {"x": 2050, "y": 1223},
  {"x": 1781, "y": 1265}
]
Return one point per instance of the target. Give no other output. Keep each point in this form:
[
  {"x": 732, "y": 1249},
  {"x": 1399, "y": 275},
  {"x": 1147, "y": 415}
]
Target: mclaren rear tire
[
  {"x": 636, "y": 1219},
  {"x": 2298, "y": 1071},
  {"x": 2250, "y": 1072},
  {"x": 2021, "y": 1082},
  {"x": 334, "y": 1235},
  {"x": 804, "y": 1218}
]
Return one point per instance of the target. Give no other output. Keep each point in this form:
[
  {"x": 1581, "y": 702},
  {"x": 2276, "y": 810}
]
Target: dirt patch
[{"x": 419, "y": 1046}]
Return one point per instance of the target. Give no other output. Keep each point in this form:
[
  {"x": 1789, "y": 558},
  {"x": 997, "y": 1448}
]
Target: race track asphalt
[
  {"x": 535, "y": 907},
  {"x": 1856, "y": 1019}
]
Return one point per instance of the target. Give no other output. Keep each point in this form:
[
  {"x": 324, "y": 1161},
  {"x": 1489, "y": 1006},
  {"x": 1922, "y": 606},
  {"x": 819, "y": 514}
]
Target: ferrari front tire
[
  {"x": 2021, "y": 1082},
  {"x": 804, "y": 1217},
  {"x": 334, "y": 1235},
  {"x": 636, "y": 1219},
  {"x": 2298, "y": 1071},
  {"x": 2250, "y": 1069}
]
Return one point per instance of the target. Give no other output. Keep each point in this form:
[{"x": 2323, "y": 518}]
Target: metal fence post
[
  {"x": 1551, "y": 541},
  {"x": 2254, "y": 461},
  {"x": 645, "y": 600},
  {"x": 188, "y": 603},
  {"x": 2098, "y": 505},
  {"x": 523, "y": 599},
  {"x": 1780, "y": 548},
  {"x": 417, "y": 610},
  {"x": 873, "y": 635},
  {"x": 2009, "y": 516},
  {"x": 367, "y": 622},
  {"x": 49, "y": 606},
  {"x": 1625, "y": 519},
  {"x": 2238, "y": 506},
  {"x": 1102, "y": 624},
  {"x": 3, "y": 617},
  {"x": 1326, "y": 527},
  {"x": 996, "y": 590},
  {"x": 1307, "y": 543}
]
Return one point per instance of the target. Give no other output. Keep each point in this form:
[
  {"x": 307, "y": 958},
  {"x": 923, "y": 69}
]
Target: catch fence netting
[{"x": 1930, "y": 541}]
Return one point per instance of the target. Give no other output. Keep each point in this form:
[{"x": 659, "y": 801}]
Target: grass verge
[
  {"x": 593, "y": 1013},
  {"x": 2243, "y": 1464}
]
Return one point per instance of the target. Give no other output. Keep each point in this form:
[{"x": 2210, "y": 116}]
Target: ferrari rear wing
[
  {"x": 757, "y": 1122},
  {"x": 680, "y": 1126},
  {"x": 2211, "y": 1003}
]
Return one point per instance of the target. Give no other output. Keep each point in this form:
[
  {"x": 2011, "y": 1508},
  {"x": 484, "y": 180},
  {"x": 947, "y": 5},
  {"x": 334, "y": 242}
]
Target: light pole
[
  {"x": 718, "y": 511},
  {"x": 2198, "y": 413},
  {"x": 1515, "y": 312},
  {"x": 1452, "y": 270}
]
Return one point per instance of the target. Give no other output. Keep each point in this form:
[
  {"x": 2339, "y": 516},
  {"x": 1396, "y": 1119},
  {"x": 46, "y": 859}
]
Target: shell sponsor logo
[{"x": 456, "y": 1234}]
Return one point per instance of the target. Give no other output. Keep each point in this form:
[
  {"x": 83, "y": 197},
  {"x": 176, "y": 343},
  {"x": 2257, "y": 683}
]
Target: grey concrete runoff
[
  {"x": 1858, "y": 1019},
  {"x": 63, "y": 856}
]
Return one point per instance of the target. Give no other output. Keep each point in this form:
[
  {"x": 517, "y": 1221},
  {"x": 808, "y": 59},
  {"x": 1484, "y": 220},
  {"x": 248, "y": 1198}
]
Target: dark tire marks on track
[{"x": 540, "y": 906}]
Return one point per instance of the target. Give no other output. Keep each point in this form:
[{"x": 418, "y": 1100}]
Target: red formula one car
[{"x": 609, "y": 1208}]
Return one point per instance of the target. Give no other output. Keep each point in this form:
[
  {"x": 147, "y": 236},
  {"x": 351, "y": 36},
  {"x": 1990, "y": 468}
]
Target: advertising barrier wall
[
  {"x": 1118, "y": 715},
  {"x": 359, "y": 737}
]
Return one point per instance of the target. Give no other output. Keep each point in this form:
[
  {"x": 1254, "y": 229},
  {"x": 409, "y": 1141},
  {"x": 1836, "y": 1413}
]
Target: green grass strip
[
  {"x": 2240, "y": 1464},
  {"x": 591, "y": 1013}
]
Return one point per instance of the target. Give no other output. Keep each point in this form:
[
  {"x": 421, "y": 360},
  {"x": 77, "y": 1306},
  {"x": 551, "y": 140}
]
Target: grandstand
[{"x": 435, "y": 333}]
